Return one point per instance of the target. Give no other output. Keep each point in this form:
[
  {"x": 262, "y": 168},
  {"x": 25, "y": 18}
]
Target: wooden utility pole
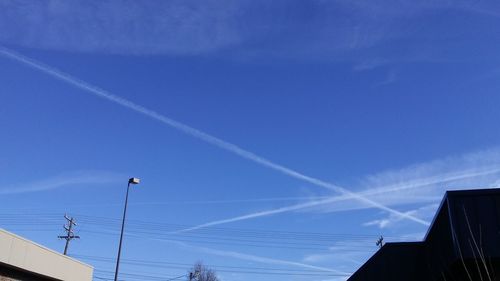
[{"x": 69, "y": 232}]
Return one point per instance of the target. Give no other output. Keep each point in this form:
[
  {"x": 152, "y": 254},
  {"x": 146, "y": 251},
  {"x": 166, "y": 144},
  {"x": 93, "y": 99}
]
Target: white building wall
[{"x": 26, "y": 255}]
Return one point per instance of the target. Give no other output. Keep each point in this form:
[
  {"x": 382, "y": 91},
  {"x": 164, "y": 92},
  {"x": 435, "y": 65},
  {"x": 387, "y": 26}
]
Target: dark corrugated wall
[
  {"x": 394, "y": 262},
  {"x": 462, "y": 244}
]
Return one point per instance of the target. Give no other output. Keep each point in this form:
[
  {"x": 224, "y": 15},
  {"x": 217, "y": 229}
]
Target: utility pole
[
  {"x": 380, "y": 241},
  {"x": 69, "y": 232}
]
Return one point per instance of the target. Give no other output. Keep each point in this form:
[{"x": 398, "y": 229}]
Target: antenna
[{"x": 380, "y": 241}]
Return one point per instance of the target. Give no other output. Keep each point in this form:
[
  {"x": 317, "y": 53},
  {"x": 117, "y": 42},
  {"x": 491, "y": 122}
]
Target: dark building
[{"x": 462, "y": 244}]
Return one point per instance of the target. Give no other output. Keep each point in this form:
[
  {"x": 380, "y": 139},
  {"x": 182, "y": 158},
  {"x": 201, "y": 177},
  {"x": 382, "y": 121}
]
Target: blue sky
[{"x": 254, "y": 126}]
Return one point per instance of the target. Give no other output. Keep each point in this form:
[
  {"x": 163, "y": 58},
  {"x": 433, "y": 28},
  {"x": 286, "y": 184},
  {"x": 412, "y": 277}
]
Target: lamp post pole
[{"x": 130, "y": 181}]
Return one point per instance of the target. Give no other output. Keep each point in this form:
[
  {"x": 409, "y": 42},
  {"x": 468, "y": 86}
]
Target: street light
[{"x": 130, "y": 181}]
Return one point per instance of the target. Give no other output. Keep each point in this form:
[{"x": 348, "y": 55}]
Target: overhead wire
[
  {"x": 226, "y": 236},
  {"x": 222, "y": 269},
  {"x": 164, "y": 263},
  {"x": 113, "y": 223}
]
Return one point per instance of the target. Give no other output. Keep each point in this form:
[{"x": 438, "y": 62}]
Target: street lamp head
[{"x": 134, "y": 180}]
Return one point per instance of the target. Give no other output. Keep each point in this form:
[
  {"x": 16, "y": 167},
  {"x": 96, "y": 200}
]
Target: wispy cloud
[
  {"x": 370, "y": 64},
  {"x": 347, "y": 254},
  {"x": 426, "y": 212},
  {"x": 315, "y": 28},
  {"x": 391, "y": 77},
  {"x": 425, "y": 183},
  {"x": 165, "y": 27},
  {"x": 66, "y": 180},
  {"x": 227, "y": 146},
  {"x": 333, "y": 257}
]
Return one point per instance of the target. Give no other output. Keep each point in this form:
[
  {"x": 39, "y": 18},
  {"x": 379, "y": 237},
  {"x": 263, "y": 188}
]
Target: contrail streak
[
  {"x": 197, "y": 133},
  {"x": 386, "y": 189},
  {"x": 266, "y": 260},
  {"x": 241, "y": 256},
  {"x": 247, "y": 257},
  {"x": 266, "y": 213}
]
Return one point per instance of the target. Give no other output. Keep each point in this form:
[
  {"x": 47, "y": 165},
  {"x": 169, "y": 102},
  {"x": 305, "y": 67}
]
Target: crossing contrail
[
  {"x": 96, "y": 91},
  {"x": 464, "y": 174}
]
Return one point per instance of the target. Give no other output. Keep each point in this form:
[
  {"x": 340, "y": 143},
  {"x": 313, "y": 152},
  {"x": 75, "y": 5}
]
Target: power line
[
  {"x": 180, "y": 239},
  {"x": 223, "y": 269},
  {"x": 240, "y": 237},
  {"x": 183, "y": 265},
  {"x": 231, "y": 232},
  {"x": 226, "y": 236},
  {"x": 111, "y": 223}
]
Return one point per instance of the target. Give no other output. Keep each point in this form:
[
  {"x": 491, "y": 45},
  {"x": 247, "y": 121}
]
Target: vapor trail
[
  {"x": 383, "y": 190},
  {"x": 266, "y": 260},
  {"x": 240, "y": 256},
  {"x": 247, "y": 257},
  {"x": 196, "y": 133},
  {"x": 265, "y": 213}
]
